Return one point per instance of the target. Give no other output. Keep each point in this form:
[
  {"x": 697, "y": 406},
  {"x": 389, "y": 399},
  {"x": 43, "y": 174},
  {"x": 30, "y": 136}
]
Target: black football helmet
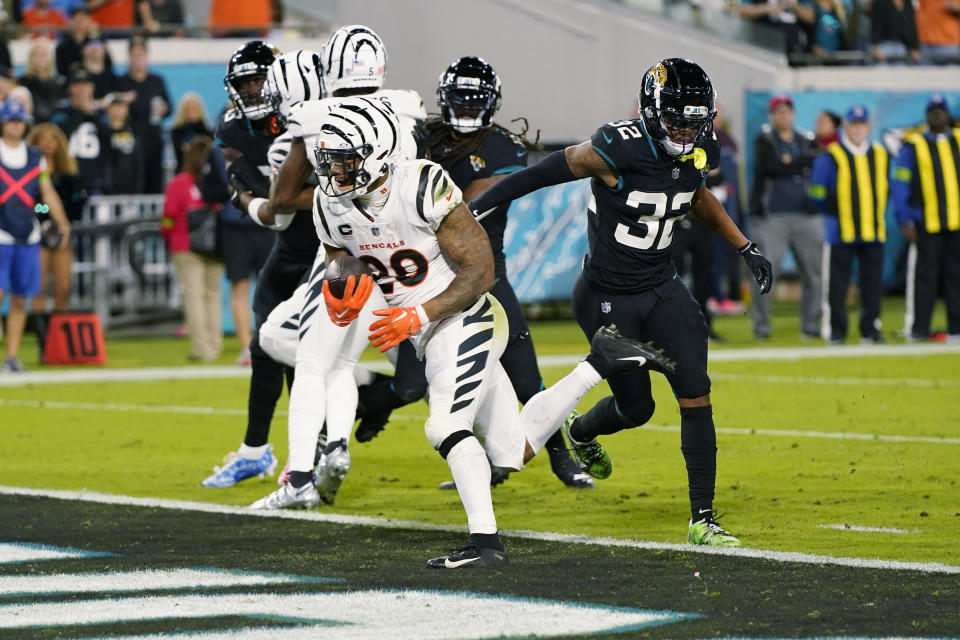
[
  {"x": 249, "y": 83},
  {"x": 678, "y": 105},
  {"x": 469, "y": 94}
]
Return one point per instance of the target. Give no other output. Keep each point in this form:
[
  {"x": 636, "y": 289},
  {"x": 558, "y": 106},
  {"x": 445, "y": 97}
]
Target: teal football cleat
[{"x": 236, "y": 468}]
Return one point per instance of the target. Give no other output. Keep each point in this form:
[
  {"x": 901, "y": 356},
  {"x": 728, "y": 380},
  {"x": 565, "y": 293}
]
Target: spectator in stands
[
  {"x": 125, "y": 157},
  {"x": 783, "y": 216},
  {"x": 827, "y": 128},
  {"x": 826, "y": 22},
  {"x": 7, "y": 82},
  {"x": 23, "y": 170},
  {"x": 189, "y": 122},
  {"x": 894, "y": 31},
  {"x": 849, "y": 185},
  {"x": 23, "y": 96},
  {"x": 95, "y": 63},
  {"x": 41, "y": 78},
  {"x": 62, "y": 167},
  {"x": 43, "y": 19},
  {"x": 80, "y": 29},
  {"x": 248, "y": 19},
  {"x": 200, "y": 276},
  {"x": 114, "y": 16},
  {"x": 160, "y": 17},
  {"x": 81, "y": 122},
  {"x": 938, "y": 30},
  {"x": 149, "y": 105},
  {"x": 779, "y": 13}
]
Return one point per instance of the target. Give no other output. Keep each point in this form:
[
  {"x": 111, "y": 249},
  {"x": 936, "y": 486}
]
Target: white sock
[
  {"x": 471, "y": 472},
  {"x": 363, "y": 376},
  {"x": 306, "y": 415},
  {"x": 545, "y": 412},
  {"x": 252, "y": 453},
  {"x": 341, "y": 403}
]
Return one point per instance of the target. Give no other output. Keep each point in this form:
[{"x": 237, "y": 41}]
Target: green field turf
[{"x": 779, "y": 490}]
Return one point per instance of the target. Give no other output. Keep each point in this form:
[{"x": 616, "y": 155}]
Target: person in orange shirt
[
  {"x": 41, "y": 15},
  {"x": 938, "y": 29},
  {"x": 112, "y": 14},
  {"x": 250, "y": 18}
]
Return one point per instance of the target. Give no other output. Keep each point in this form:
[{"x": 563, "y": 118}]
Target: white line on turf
[
  {"x": 854, "y": 527},
  {"x": 135, "y": 581},
  {"x": 315, "y": 516},
  {"x": 59, "y": 405},
  {"x": 148, "y": 374}
]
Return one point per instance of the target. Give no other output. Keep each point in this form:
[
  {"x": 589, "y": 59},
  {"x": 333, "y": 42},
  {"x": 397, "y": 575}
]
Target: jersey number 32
[{"x": 659, "y": 228}]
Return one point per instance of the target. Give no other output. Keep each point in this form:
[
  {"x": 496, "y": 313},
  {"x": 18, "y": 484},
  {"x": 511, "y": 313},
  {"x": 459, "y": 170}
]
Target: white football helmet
[
  {"x": 296, "y": 76},
  {"x": 357, "y": 143},
  {"x": 354, "y": 61}
]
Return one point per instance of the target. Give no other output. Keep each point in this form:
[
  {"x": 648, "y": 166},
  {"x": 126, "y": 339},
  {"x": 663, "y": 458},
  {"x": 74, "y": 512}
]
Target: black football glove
[
  {"x": 760, "y": 267},
  {"x": 245, "y": 177}
]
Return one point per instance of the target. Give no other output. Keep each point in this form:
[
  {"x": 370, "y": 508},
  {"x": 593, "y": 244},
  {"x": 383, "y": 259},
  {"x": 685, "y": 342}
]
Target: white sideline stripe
[
  {"x": 854, "y": 527},
  {"x": 135, "y": 581},
  {"x": 148, "y": 374},
  {"x": 13, "y": 553},
  {"x": 217, "y": 411},
  {"x": 922, "y": 383},
  {"x": 389, "y": 523}
]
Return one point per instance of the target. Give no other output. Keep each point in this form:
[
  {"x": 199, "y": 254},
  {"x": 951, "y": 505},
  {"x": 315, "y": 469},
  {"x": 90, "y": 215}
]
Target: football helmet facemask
[
  {"x": 677, "y": 105},
  {"x": 469, "y": 94},
  {"x": 248, "y": 80},
  {"x": 295, "y": 76},
  {"x": 354, "y": 61},
  {"x": 356, "y": 145}
]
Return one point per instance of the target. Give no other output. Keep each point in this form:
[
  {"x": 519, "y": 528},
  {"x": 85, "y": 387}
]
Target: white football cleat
[
  {"x": 333, "y": 467},
  {"x": 287, "y": 497}
]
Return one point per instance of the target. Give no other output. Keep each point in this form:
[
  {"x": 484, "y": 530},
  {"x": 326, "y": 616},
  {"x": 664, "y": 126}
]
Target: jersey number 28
[{"x": 659, "y": 228}]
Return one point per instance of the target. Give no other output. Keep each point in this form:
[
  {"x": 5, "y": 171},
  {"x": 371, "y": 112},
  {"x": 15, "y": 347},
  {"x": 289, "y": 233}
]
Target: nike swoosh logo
[
  {"x": 400, "y": 317},
  {"x": 606, "y": 137},
  {"x": 639, "y": 359},
  {"x": 705, "y": 510},
  {"x": 453, "y": 564},
  {"x": 520, "y": 154},
  {"x": 342, "y": 313}
]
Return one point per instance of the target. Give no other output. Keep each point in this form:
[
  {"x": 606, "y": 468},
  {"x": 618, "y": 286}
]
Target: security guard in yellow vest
[
  {"x": 849, "y": 185},
  {"x": 926, "y": 198}
]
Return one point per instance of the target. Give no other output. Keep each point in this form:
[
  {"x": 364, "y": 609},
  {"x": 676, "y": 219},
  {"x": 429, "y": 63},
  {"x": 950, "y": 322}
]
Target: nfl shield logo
[
  {"x": 605, "y": 307},
  {"x": 375, "y": 231},
  {"x": 676, "y": 173}
]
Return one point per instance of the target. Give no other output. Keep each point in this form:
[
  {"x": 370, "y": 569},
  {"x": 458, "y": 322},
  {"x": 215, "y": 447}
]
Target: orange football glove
[
  {"x": 343, "y": 311},
  {"x": 399, "y": 324}
]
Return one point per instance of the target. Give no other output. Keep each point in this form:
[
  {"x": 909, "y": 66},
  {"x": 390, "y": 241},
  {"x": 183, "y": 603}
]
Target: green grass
[{"x": 777, "y": 490}]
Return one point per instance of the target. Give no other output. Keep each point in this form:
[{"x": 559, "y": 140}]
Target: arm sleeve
[
  {"x": 823, "y": 181},
  {"x": 550, "y": 171},
  {"x": 901, "y": 184}
]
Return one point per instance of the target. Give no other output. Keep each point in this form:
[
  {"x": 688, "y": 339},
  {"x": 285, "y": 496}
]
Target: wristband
[
  {"x": 424, "y": 319},
  {"x": 253, "y": 210}
]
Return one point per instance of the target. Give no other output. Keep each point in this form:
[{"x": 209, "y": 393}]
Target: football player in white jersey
[{"x": 434, "y": 264}]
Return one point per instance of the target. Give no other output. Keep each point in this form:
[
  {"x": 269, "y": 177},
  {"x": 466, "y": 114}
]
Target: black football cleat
[
  {"x": 470, "y": 556},
  {"x": 371, "y": 426},
  {"x": 622, "y": 355},
  {"x": 567, "y": 471}
]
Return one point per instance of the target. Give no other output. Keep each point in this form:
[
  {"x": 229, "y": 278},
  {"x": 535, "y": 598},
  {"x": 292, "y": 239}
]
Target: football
[{"x": 342, "y": 268}]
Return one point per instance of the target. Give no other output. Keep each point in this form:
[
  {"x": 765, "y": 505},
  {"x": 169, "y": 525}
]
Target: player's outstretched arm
[{"x": 573, "y": 163}]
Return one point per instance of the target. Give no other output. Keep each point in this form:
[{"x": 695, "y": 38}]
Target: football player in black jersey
[
  {"x": 246, "y": 134},
  {"x": 646, "y": 174}
]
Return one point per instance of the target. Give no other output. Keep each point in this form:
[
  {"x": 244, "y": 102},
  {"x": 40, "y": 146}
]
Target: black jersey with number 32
[{"x": 630, "y": 227}]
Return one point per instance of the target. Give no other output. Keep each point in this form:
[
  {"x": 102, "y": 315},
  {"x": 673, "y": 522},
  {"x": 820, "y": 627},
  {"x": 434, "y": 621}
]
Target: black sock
[
  {"x": 266, "y": 386},
  {"x": 599, "y": 364},
  {"x": 377, "y": 397},
  {"x": 602, "y": 419},
  {"x": 556, "y": 443},
  {"x": 300, "y": 478},
  {"x": 698, "y": 442},
  {"x": 487, "y": 540},
  {"x": 332, "y": 446}
]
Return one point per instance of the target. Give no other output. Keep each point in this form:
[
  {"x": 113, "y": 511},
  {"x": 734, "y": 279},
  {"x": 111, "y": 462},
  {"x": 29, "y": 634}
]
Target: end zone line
[
  {"x": 185, "y": 372},
  {"x": 389, "y": 523}
]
